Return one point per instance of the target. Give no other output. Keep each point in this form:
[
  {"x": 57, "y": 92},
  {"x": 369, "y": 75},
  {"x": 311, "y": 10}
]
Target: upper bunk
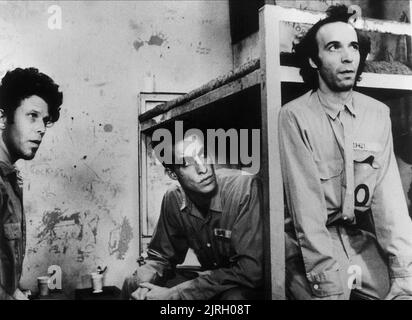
[{"x": 253, "y": 72}]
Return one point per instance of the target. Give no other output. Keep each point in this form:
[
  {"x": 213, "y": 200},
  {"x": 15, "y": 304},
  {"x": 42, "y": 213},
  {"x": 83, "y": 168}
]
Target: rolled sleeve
[{"x": 400, "y": 267}]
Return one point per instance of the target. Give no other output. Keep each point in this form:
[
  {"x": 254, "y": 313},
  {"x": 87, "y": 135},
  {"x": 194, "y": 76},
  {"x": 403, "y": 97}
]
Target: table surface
[
  {"x": 109, "y": 293},
  {"x": 53, "y": 295}
]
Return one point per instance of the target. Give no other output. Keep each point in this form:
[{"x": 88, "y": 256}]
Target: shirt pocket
[
  {"x": 12, "y": 231},
  {"x": 225, "y": 248},
  {"x": 330, "y": 173},
  {"x": 366, "y": 168}
]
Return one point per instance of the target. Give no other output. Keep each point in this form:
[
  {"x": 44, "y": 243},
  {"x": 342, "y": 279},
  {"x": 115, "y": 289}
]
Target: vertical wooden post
[{"x": 270, "y": 161}]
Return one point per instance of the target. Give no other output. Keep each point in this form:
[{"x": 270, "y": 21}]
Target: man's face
[
  {"x": 24, "y": 135},
  {"x": 196, "y": 174},
  {"x": 339, "y": 56}
]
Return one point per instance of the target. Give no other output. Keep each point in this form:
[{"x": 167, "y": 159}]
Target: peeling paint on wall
[{"x": 73, "y": 234}]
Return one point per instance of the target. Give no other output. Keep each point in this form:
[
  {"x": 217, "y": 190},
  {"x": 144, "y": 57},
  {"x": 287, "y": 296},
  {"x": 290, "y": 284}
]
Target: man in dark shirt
[
  {"x": 29, "y": 103},
  {"x": 215, "y": 214}
]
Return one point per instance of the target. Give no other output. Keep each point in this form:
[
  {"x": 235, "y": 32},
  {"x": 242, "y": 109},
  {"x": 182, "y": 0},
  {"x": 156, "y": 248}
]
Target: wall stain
[
  {"x": 138, "y": 44},
  {"x": 133, "y": 25},
  {"x": 154, "y": 40},
  {"x": 108, "y": 127},
  {"x": 120, "y": 238}
]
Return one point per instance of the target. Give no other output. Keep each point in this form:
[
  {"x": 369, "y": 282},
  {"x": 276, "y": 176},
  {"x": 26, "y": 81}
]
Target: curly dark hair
[
  {"x": 308, "y": 46},
  {"x": 20, "y": 84}
]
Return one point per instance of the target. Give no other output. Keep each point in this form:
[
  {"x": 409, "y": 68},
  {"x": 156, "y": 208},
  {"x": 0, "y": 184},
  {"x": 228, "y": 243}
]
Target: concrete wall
[{"x": 81, "y": 190}]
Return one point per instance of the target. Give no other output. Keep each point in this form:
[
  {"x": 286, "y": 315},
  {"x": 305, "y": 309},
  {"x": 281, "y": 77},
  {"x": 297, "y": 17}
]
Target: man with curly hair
[
  {"x": 29, "y": 103},
  {"x": 348, "y": 229}
]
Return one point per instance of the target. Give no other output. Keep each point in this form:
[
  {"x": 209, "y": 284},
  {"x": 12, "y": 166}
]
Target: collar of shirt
[
  {"x": 215, "y": 204},
  {"x": 6, "y": 167},
  {"x": 333, "y": 108}
]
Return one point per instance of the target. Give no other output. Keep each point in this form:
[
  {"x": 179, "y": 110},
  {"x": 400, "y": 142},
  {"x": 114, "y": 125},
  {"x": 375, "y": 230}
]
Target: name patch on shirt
[
  {"x": 366, "y": 146},
  {"x": 223, "y": 233}
]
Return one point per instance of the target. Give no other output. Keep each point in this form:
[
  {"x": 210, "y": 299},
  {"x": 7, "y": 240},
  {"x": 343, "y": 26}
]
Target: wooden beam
[
  {"x": 210, "y": 86},
  {"x": 208, "y": 98},
  {"x": 270, "y": 160}
]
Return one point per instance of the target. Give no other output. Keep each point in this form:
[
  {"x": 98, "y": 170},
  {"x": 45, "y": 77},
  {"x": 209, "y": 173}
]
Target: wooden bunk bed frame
[{"x": 268, "y": 73}]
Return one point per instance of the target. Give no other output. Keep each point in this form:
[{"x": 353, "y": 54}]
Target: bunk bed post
[
  {"x": 270, "y": 161},
  {"x": 142, "y": 178}
]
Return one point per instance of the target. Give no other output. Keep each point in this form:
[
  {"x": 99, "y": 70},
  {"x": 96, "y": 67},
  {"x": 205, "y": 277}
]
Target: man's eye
[
  {"x": 355, "y": 46},
  {"x": 32, "y": 115},
  {"x": 188, "y": 162},
  {"x": 333, "y": 47}
]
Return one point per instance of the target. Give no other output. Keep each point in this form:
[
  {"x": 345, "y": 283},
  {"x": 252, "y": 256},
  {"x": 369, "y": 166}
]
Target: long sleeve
[
  {"x": 3, "y": 293},
  {"x": 3, "y": 257},
  {"x": 307, "y": 206},
  {"x": 393, "y": 225},
  {"x": 246, "y": 265},
  {"x": 168, "y": 246}
]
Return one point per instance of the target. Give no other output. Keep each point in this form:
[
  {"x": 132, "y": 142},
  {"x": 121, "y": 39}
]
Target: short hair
[
  {"x": 308, "y": 46},
  {"x": 20, "y": 84}
]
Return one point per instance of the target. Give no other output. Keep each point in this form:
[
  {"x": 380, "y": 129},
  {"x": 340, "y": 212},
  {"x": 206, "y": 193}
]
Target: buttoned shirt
[
  {"x": 12, "y": 227},
  {"x": 312, "y": 143},
  {"x": 227, "y": 240}
]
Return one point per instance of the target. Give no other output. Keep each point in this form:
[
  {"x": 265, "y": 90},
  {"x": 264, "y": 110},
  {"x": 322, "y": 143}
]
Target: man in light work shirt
[
  {"x": 218, "y": 216},
  {"x": 348, "y": 227},
  {"x": 29, "y": 102}
]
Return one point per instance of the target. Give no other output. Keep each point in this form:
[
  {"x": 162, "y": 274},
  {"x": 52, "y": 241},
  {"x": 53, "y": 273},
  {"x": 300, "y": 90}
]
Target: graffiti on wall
[{"x": 68, "y": 233}]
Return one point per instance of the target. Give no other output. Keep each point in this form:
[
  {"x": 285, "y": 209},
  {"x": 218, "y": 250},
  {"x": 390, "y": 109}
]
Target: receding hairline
[{"x": 335, "y": 22}]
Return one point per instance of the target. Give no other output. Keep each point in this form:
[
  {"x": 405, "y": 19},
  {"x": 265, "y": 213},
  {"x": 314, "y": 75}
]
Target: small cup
[
  {"x": 97, "y": 282},
  {"x": 43, "y": 284}
]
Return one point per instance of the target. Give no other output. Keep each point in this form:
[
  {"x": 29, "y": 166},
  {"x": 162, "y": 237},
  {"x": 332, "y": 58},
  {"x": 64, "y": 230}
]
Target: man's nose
[
  {"x": 41, "y": 127},
  {"x": 347, "y": 55},
  {"x": 200, "y": 165}
]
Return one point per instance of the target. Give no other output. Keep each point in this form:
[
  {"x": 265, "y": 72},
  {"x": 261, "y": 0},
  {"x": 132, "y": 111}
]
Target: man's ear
[
  {"x": 3, "y": 119},
  {"x": 172, "y": 175},
  {"x": 312, "y": 63}
]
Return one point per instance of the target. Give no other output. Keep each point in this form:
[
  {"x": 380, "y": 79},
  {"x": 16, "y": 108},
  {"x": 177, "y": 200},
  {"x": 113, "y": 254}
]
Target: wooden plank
[
  {"x": 369, "y": 80},
  {"x": 311, "y": 17},
  {"x": 143, "y": 223},
  {"x": 210, "y": 86},
  {"x": 210, "y": 97},
  {"x": 270, "y": 160}
]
